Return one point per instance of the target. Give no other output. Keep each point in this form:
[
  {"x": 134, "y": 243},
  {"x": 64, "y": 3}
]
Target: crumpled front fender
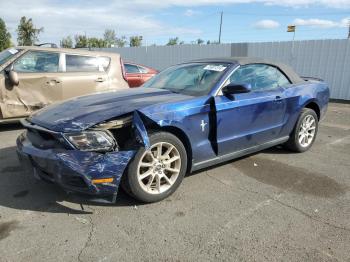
[
  {"x": 94, "y": 166},
  {"x": 140, "y": 130}
]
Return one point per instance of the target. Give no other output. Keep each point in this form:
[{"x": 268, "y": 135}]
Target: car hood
[{"x": 83, "y": 112}]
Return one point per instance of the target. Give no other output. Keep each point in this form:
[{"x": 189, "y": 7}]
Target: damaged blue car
[{"x": 188, "y": 117}]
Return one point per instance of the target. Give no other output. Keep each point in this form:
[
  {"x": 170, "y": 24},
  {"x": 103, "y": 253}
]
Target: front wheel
[
  {"x": 156, "y": 173},
  {"x": 305, "y": 131}
]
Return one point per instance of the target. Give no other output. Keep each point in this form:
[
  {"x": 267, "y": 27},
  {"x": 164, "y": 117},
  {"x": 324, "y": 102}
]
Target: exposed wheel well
[
  {"x": 315, "y": 107},
  {"x": 184, "y": 139}
]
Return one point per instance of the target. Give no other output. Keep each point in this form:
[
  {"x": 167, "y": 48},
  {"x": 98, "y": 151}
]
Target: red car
[{"x": 136, "y": 74}]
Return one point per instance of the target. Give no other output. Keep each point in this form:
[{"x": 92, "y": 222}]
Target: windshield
[
  {"x": 7, "y": 54},
  {"x": 191, "y": 79}
]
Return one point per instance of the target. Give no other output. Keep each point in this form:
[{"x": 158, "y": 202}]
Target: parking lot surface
[{"x": 271, "y": 206}]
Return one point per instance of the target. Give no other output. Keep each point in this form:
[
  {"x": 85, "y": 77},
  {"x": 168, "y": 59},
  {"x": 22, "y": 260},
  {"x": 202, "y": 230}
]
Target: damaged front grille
[{"x": 43, "y": 140}]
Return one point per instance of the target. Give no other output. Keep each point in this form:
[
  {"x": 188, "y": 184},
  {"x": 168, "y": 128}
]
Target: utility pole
[
  {"x": 349, "y": 29},
  {"x": 220, "y": 27}
]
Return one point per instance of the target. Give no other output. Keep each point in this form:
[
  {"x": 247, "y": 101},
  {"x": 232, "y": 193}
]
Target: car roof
[
  {"x": 287, "y": 70},
  {"x": 68, "y": 50}
]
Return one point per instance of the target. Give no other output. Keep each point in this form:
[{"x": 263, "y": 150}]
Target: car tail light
[{"x": 123, "y": 69}]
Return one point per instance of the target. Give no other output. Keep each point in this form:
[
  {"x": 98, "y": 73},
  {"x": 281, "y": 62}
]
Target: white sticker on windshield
[
  {"x": 218, "y": 68},
  {"x": 13, "y": 51}
]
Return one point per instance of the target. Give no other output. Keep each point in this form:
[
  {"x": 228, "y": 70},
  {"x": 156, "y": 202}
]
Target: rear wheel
[
  {"x": 305, "y": 131},
  {"x": 156, "y": 173}
]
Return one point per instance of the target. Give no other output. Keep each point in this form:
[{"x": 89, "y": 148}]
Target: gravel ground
[{"x": 271, "y": 206}]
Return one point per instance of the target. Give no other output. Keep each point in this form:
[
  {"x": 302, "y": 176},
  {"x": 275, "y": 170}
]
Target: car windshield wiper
[
  {"x": 179, "y": 90},
  {"x": 173, "y": 90}
]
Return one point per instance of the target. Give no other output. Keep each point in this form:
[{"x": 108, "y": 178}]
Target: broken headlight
[{"x": 92, "y": 141}]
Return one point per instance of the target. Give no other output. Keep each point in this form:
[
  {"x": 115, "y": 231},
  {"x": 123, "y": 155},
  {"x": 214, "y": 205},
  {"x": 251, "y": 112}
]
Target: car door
[
  {"x": 39, "y": 84},
  {"x": 251, "y": 119},
  {"x": 146, "y": 74},
  {"x": 84, "y": 75},
  {"x": 133, "y": 75}
]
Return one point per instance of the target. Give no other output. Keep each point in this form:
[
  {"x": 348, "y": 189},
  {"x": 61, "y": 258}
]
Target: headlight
[{"x": 92, "y": 141}]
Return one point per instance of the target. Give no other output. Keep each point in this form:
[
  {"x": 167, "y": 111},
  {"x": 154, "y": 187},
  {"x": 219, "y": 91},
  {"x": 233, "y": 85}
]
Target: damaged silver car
[{"x": 34, "y": 77}]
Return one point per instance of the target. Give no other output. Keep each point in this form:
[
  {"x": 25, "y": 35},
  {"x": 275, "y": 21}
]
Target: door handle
[
  {"x": 278, "y": 99},
  {"x": 53, "y": 82},
  {"x": 100, "y": 79}
]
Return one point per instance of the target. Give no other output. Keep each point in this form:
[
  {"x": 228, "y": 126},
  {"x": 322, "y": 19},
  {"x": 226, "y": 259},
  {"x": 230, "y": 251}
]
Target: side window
[
  {"x": 282, "y": 79},
  {"x": 143, "y": 70},
  {"x": 37, "y": 62},
  {"x": 260, "y": 77},
  {"x": 243, "y": 75},
  {"x": 77, "y": 63},
  {"x": 131, "y": 69}
]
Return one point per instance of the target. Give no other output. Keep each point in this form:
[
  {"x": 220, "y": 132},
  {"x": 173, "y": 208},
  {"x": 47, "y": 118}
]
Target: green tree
[
  {"x": 5, "y": 36},
  {"x": 27, "y": 33},
  {"x": 109, "y": 37},
  {"x": 135, "y": 41},
  {"x": 121, "y": 41},
  {"x": 81, "y": 41},
  {"x": 212, "y": 42},
  {"x": 173, "y": 41},
  {"x": 200, "y": 41},
  {"x": 94, "y": 42},
  {"x": 66, "y": 42}
]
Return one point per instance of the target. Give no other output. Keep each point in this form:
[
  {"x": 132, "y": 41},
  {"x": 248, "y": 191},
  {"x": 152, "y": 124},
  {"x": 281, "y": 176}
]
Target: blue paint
[
  {"x": 83, "y": 112},
  {"x": 74, "y": 163},
  {"x": 141, "y": 131},
  {"x": 232, "y": 123}
]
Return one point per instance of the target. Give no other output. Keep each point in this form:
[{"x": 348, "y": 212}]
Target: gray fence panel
[
  {"x": 161, "y": 57},
  {"x": 239, "y": 49},
  {"x": 326, "y": 59}
]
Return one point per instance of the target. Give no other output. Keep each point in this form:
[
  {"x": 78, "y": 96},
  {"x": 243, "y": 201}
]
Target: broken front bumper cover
[{"x": 74, "y": 170}]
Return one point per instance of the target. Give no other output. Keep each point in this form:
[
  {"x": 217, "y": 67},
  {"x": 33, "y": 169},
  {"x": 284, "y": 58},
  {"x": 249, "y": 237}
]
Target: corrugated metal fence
[{"x": 326, "y": 59}]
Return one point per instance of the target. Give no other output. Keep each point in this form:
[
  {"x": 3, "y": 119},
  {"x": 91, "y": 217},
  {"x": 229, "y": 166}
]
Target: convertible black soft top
[{"x": 287, "y": 70}]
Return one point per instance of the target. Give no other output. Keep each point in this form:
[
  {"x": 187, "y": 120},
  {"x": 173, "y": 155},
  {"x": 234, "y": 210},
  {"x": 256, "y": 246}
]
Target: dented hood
[{"x": 83, "y": 112}]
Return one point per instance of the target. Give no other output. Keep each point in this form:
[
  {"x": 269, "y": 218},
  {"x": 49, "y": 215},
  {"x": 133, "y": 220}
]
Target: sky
[{"x": 157, "y": 21}]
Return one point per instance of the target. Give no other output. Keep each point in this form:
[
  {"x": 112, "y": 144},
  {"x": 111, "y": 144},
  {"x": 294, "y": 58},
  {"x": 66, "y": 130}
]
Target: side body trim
[{"x": 237, "y": 154}]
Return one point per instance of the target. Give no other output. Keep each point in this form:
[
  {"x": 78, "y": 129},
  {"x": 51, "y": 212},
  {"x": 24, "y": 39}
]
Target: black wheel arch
[
  {"x": 314, "y": 106},
  {"x": 181, "y": 135}
]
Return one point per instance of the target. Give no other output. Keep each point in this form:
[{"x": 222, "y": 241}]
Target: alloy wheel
[
  {"x": 307, "y": 131},
  {"x": 159, "y": 168}
]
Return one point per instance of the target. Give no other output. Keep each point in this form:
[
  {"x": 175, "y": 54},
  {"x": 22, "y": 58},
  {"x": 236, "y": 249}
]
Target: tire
[
  {"x": 151, "y": 176},
  {"x": 296, "y": 141}
]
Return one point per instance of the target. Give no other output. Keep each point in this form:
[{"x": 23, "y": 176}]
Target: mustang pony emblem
[{"x": 203, "y": 124}]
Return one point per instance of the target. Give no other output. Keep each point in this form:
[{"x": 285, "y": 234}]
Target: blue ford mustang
[{"x": 190, "y": 116}]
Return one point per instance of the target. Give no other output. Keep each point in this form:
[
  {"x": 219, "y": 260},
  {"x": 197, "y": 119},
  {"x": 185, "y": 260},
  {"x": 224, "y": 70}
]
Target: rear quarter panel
[{"x": 299, "y": 96}]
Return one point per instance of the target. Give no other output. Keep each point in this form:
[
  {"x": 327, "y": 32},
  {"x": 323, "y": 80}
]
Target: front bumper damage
[
  {"x": 74, "y": 170},
  {"x": 49, "y": 156}
]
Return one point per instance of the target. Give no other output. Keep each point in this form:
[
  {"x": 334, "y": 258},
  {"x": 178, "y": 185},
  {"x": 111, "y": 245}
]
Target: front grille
[{"x": 43, "y": 140}]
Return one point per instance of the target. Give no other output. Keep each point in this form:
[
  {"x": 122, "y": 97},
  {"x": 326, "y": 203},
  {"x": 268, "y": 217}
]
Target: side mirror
[
  {"x": 13, "y": 77},
  {"x": 233, "y": 88}
]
